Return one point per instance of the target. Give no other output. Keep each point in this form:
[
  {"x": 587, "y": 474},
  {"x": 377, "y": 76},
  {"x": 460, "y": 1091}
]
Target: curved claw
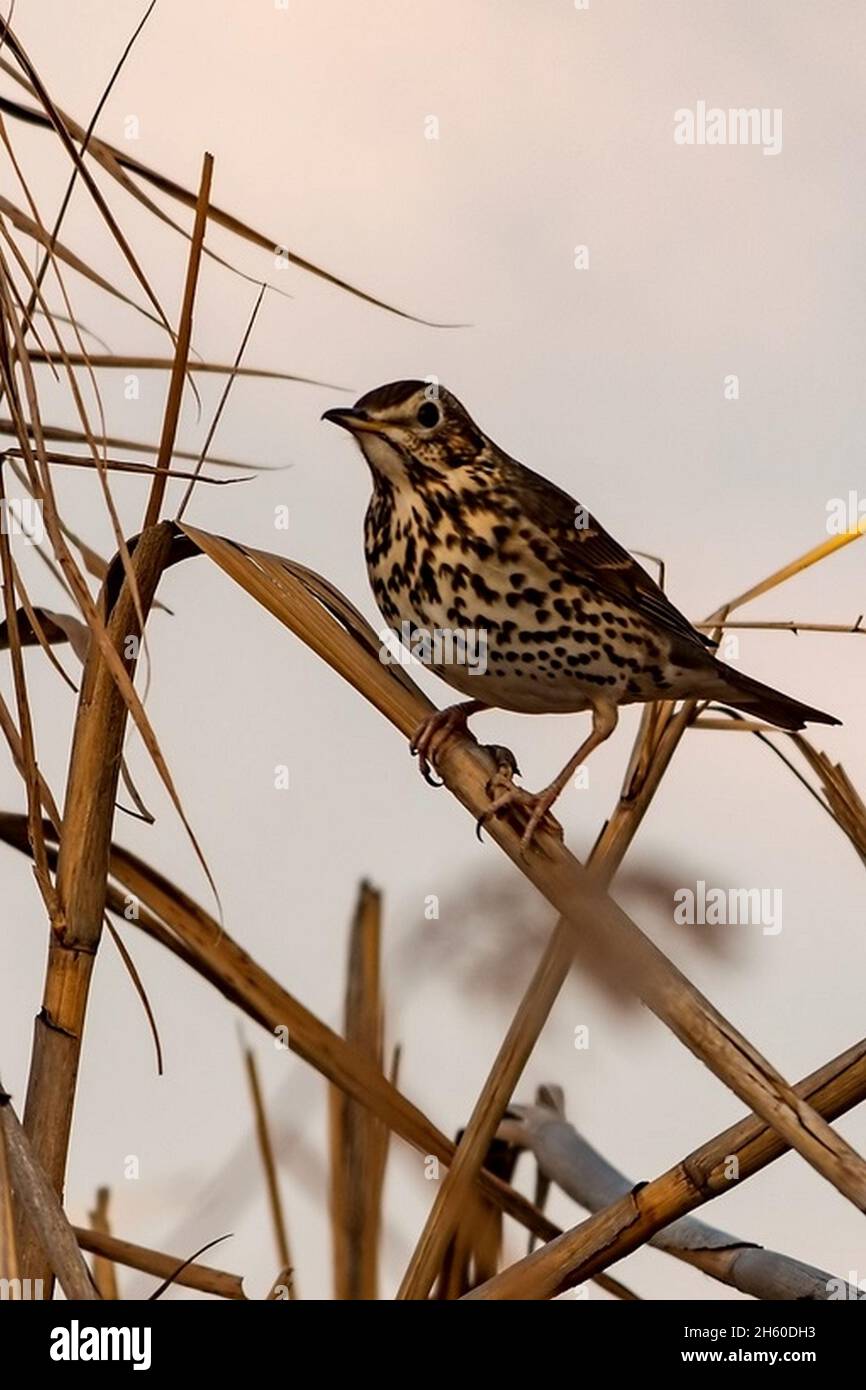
[{"x": 505, "y": 761}]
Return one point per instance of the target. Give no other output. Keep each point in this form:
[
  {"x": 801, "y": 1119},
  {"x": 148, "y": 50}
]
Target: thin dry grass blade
[
  {"x": 803, "y": 562},
  {"x": 31, "y": 228},
  {"x": 217, "y": 416},
  {"x": 68, "y": 436},
  {"x": 126, "y": 361},
  {"x": 171, "y": 414},
  {"x": 56, "y": 121},
  {"x": 115, "y": 161}
]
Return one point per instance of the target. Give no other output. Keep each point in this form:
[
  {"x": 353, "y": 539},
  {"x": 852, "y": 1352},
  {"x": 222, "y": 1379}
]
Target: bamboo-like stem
[
  {"x": 162, "y": 1266},
  {"x": 82, "y": 871},
  {"x": 357, "y": 1149}
]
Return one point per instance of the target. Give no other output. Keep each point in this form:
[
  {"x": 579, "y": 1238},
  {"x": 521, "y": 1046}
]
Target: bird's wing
[{"x": 592, "y": 554}]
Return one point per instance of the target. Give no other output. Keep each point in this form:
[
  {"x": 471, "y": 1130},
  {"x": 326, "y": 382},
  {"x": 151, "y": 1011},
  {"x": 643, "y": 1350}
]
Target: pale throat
[{"x": 382, "y": 457}]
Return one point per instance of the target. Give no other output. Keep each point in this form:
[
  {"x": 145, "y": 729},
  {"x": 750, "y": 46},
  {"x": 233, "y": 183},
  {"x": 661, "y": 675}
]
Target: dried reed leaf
[
  {"x": 126, "y": 361},
  {"x": 33, "y": 229},
  {"x": 116, "y": 161},
  {"x": 133, "y": 446}
]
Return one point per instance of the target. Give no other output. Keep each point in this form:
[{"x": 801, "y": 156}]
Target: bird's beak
[{"x": 355, "y": 421}]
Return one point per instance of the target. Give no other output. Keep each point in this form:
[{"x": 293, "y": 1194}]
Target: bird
[{"x": 461, "y": 539}]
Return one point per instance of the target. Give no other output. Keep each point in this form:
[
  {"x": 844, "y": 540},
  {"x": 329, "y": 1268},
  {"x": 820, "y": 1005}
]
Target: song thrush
[{"x": 459, "y": 536}]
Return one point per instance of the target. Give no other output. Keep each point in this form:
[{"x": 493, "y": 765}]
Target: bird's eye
[{"x": 428, "y": 415}]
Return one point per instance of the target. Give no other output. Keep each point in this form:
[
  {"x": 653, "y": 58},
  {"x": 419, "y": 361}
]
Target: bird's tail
[{"x": 763, "y": 702}]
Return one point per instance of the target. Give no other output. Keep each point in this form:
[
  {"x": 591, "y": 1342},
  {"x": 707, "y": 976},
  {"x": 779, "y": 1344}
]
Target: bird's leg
[
  {"x": 435, "y": 731},
  {"x": 537, "y": 804}
]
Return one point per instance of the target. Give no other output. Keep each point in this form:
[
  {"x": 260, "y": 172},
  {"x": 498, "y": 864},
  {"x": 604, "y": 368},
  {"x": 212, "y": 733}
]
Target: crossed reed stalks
[{"x": 86, "y": 879}]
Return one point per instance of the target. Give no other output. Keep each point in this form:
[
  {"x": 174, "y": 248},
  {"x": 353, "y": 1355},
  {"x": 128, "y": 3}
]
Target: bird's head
[{"x": 412, "y": 432}]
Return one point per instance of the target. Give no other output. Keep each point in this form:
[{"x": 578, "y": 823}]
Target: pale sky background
[{"x": 555, "y": 129}]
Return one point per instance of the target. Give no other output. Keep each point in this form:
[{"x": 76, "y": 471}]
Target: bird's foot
[
  {"x": 432, "y": 735},
  {"x": 533, "y": 808}
]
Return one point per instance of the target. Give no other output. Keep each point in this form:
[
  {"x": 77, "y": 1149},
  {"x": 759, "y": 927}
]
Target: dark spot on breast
[{"x": 483, "y": 590}]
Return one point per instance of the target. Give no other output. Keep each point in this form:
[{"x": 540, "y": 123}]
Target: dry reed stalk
[
  {"x": 570, "y": 1161},
  {"x": 38, "y": 1210},
  {"x": 283, "y": 1288},
  {"x": 162, "y": 1266},
  {"x": 356, "y": 1133},
  {"x": 104, "y": 1272},
  {"x": 616, "y": 1231},
  {"x": 82, "y": 871},
  {"x": 189, "y": 932},
  {"x": 8, "y": 1236},
  {"x": 472, "y": 1255},
  {"x": 266, "y": 1149},
  {"x": 578, "y": 895},
  {"x": 791, "y": 626},
  {"x": 658, "y": 737}
]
